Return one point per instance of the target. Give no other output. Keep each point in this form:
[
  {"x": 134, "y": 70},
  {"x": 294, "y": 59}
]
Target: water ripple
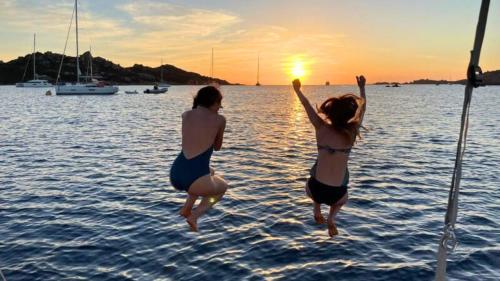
[{"x": 85, "y": 190}]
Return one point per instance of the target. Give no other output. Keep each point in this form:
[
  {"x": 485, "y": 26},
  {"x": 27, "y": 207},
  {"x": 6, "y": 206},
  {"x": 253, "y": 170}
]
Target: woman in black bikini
[{"x": 335, "y": 136}]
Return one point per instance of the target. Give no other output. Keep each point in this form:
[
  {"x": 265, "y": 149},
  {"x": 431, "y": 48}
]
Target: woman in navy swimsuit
[
  {"x": 202, "y": 133},
  {"x": 335, "y": 136}
]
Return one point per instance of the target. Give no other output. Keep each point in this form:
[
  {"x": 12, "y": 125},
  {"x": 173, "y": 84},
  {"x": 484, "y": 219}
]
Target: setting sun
[
  {"x": 298, "y": 70},
  {"x": 298, "y": 67}
]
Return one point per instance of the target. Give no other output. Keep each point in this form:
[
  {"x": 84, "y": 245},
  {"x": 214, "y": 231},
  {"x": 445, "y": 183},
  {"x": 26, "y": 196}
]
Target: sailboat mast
[
  {"x": 212, "y": 65},
  {"x": 90, "y": 47},
  {"x": 258, "y": 67},
  {"x": 34, "y": 50},
  {"x": 77, "y": 55}
]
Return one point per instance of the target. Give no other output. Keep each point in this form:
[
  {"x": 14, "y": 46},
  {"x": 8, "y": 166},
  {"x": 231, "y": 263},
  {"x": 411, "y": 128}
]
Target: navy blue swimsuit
[{"x": 185, "y": 171}]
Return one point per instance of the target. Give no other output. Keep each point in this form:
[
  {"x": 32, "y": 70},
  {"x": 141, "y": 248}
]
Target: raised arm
[
  {"x": 311, "y": 113},
  {"x": 361, "y": 84}
]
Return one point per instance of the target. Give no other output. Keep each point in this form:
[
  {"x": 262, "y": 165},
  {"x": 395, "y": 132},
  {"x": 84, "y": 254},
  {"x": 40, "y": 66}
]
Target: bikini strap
[{"x": 334, "y": 150}]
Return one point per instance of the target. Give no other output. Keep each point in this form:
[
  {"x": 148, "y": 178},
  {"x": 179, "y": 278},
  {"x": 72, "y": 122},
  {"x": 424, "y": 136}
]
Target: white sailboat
[
  {"x": 34, "y": 83},
  {"x": 92, "y": 88}
]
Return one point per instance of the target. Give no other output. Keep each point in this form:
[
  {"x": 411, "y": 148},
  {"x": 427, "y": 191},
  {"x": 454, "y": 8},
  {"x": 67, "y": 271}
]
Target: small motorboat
[
  {"x": 131, "y": 92},
  {"x": 393, "y": 85},
  {"x": 156, "y": 90}
]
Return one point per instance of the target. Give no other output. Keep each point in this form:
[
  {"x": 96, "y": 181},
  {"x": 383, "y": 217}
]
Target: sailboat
[
  {"x": 212, "y": 68},
  {"x": 162, "y": 84},
  {"x": 258, "y": 69},
  {"x": 90, "y": 88},
  {"x": 35, "y": 83}
]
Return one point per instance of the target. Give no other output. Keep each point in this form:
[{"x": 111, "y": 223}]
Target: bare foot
[
  {"x": 185, "y": 213},
  {"x": 193, "y": 224},
  {"x": 319, "y": 218},
  {"x": 332, "y": 229}
]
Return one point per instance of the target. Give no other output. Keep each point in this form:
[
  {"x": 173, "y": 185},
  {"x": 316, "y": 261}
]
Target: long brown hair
[
  {"x": 344, "y": 114},
  {"x": 207, "y": 96}
]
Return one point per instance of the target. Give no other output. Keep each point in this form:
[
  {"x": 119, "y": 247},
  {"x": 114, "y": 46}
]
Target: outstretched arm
[
  {"x": 361, "y": 84},
  {"x": 311, "y": 113}
]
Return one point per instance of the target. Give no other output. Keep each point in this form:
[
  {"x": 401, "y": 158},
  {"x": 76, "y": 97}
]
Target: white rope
[
  {"x": 448, "y": 241},
  {"x": 3, "y": 277}
]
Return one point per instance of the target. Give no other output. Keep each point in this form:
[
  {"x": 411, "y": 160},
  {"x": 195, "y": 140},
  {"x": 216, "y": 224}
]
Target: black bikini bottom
[{"x": 325, "y": 194}]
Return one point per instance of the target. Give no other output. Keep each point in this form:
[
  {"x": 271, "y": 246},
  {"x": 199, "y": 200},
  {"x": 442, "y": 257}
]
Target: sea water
[{"x": 85, "y": 195}]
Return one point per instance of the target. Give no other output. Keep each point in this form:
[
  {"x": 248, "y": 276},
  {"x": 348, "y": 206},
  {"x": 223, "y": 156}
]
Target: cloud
[
  {"x": 54, "y": 17},
  {"x": 49, "y": 15},
  {"x": 177, "y": 20}
]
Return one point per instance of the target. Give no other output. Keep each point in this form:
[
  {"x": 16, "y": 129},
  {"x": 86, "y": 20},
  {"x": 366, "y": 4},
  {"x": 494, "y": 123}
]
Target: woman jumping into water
[
  {"x": 202, "y": 133},
  {"x": 335, "y": 136}
]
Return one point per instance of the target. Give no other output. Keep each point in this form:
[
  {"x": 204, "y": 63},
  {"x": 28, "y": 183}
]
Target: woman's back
[
  {"x": 333, "y": 155},
  {"x": 202, "y": 133},
  {"x": 335, "y": 135},
  {"x": 199, "y": 130}
]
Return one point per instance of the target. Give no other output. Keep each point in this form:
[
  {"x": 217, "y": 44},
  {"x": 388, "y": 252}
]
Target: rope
[
  {"x": 26, "y": 68},
  {"x": 448, "y": 241},
  {"x": 3, "y": 277},
  {"x": 65, "y": 45}
]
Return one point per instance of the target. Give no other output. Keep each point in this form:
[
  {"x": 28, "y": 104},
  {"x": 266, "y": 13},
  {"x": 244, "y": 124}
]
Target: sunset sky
[{"x": 387, "y": 40}]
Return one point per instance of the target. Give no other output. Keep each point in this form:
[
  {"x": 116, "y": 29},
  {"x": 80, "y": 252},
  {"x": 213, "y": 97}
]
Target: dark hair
[
  {"x": 343, "y": 114},
  {"x": 207, "y": 96}
]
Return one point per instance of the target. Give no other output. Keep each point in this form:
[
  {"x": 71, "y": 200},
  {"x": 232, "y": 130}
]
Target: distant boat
[
  {"x": 92, "y": 88},
  {"x": 258, "y": 70},
  {"x": 35, "y": 83},
  {"x": 131, "y": 92},
  {"x": 156, "y": 90},
  {"x": 327, "y": 83},
  {"x": 395, "y": 84}
]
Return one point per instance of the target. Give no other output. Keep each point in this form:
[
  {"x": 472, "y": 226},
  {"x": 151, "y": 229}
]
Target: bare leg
[
  {"x": 211, "y": 189},
  {"x": 334, "y": 209},
  {"x": 332, "y": 228},
  {"x": 188, "y": 205},
  {"x": 318, "y": 217},
  {"x": 206, "y": 203}
]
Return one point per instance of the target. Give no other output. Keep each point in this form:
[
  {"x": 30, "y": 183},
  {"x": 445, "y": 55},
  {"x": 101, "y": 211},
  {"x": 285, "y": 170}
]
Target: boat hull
[
  {"x": 38, "y": 84},
  {"x": 83, "y": 90},
  {"x": 158, "y": 91}
]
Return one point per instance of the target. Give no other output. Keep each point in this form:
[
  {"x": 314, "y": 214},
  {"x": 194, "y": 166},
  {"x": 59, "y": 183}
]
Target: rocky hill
[
  {"x": 489, "y": 78},
  {"x": 47, "y": 66}
]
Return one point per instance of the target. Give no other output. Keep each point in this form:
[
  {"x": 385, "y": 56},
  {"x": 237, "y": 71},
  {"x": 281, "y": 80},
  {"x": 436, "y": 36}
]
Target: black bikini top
[{"x": 335, "y": 150}]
